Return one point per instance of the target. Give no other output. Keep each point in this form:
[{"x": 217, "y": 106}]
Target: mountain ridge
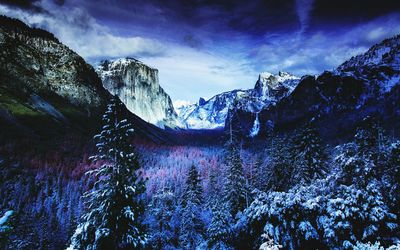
[
  {"x": 365, "y": 85},
  {"x": 212, "y": 113}
]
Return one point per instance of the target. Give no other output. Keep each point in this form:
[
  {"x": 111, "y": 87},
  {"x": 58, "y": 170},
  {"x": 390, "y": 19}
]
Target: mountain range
[
  {"x": 44, "y": 84},
  {"x": 269, "y": 89},
  {"x": 365, "y": 85}
]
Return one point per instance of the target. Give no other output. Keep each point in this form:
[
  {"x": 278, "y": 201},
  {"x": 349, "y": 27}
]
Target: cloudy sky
[{"x": 204, "y": 47}]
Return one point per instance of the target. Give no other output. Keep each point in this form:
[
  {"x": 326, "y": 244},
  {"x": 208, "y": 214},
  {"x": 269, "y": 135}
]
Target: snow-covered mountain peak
[
  {"x": 269, "y": 85},
  {"x": 273, "y": 80},
  {"x": 212, "y": 113}
]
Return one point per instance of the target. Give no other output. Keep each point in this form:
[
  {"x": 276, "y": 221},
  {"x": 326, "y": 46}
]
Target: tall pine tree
[
  {"x": 114, "y": 206},
  {"x": 191, "y": 231},
  {"x": 161, "y": 225},
  {"x": 280, "y": 168},
  {"x": 219, "y": 231},
  {"x": 310, "y": 159},
  {"x": 236, "y": 193}
]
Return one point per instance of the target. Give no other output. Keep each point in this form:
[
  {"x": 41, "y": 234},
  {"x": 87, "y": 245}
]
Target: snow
[
  {"x": 6, "y": 217},
  {"x": 387, "y": 86}
]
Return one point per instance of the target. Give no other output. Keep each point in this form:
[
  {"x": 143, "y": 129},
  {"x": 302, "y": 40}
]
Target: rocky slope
[
  {"x": 46, "y": 89},
  {"x": 138, "y": 87},
  {"x": 269, "y": 89},
  {"x": 365, "y": 85}
]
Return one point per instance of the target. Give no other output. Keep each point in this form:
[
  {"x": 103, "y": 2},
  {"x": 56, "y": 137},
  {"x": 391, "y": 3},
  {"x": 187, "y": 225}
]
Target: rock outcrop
[{"x": 137, "y": 85}]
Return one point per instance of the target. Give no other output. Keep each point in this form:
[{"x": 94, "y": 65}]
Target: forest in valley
[
  {"x": 295, "y": 193},
  {"x": 199, "y": 125}
]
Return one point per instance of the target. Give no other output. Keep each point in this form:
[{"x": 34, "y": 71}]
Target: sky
[{"x": 202, "y": 47}]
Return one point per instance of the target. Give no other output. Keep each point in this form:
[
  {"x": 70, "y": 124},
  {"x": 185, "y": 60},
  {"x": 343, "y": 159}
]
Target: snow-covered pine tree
[
  {"x": 362, "y": 160},
  {"x": 114, "y": 205},
  {"x": 219, "y": 231},
  {"x": 368, "y": 137},
  {"x": 236, "y": 193},
  {"x": 192, "y": 190},
  {"x": 393, "y": 172},
  {"x": 257, "y": 179},
  {"x": 214, "y": 190},
  {"x": 161, "y": 225},
  {"x": 280, "y": 168},
  {"x": 369, "y": 140},
  {"x": 310, "y": 157},
  {"x": 191, "y": 231}
]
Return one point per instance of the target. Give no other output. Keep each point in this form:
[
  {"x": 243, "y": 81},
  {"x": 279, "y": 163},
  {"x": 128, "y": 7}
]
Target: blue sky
[{"x": 203, "y": 47}]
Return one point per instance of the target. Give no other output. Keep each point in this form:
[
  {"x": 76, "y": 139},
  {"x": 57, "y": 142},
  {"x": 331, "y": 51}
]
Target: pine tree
[
  {"x": 219, "y": 231},
  {"x": 235, "y": 190},
  {"x": 393, "y": 171},
  {"x": 114, "y": 205},
  {"x": 162, "y": 209},
  {"x": 191, "y": 224},
  {"x": 363, "y": 160},
  {"x": 257, "y": 177},
  {"x": 214, "y": 190},
  {"x": 309, "y": 155},
  {"x": 280, "y": 170}
]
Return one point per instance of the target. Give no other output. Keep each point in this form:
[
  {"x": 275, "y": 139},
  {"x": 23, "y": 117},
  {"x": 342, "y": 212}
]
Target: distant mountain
[
  {"x": 138, "y": 87},
  {"x": 365, "y": 85},
  {"x": 46, "y": 89},
  {"x": 212, "y": 113}
]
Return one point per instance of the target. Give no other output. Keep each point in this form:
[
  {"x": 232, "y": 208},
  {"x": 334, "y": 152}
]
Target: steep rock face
[
  {"x": 138, "y": 87},
  {"x": 47, "y": 90},
  {"x": 273, "y": 87},
  {"x": 212, "y": 113},
  {"x": 367, "y": 84},
  {"x": 34, "y": 61}
]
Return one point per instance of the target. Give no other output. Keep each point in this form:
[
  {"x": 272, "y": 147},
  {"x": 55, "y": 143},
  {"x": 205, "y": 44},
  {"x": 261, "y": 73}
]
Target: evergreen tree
[
  {"x": 309, "y": 155},
  {"x": 235, "y": 190},
  {"x": 368, "y": 137},
  {"x": 364, "y": 159},
  {"x": 191, "y": 224},
  {"x": 393, "y": 172},
  {"x": 162, "y": 211},
  {"x": 214, "y": 189},
  {"x": 114, "y": 206},
  {"x": 280, "y": 170},
  {"x": 219, "y": 231},
  {"x": 257, "y": 178}
]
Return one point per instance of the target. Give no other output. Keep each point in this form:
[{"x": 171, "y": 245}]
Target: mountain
[
  {"x": 138, "y": 87},
  {"x": 269, "y": 89},
  {"x": 365, "y": 85},
  {"x": 47, "y": 90}
]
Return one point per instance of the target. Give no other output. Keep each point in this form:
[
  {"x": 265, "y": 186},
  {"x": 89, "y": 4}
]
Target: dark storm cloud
[
  {"x": 344, "y": 12},
  {"x": 30, "y": 5}
]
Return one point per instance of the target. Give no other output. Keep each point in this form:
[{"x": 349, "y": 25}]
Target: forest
[{"x": 296, "y": 193}]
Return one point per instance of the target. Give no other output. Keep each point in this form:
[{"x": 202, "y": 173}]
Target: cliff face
[
  {"x": 33, "y": 61},
  {"x": 138, "y": 87}
]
